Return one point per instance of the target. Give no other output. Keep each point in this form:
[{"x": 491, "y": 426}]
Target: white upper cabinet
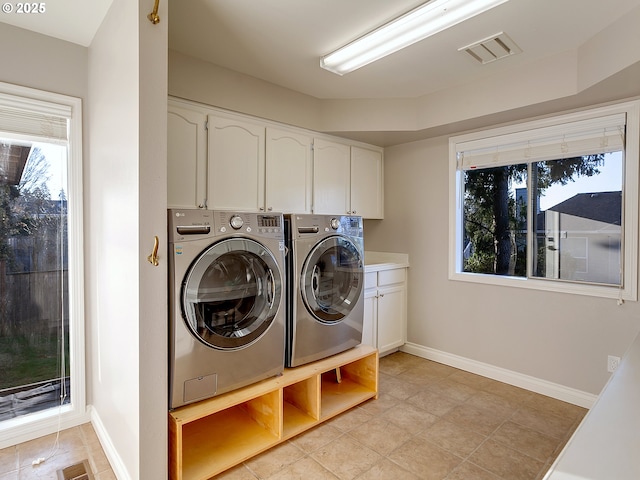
[
  {"x": 367, "y": 199},
  {"x": 186, "y": 158},
  {"x": 331, "y": 177},
  {"x": 288, "y": 171},
  {"x": 236, "y": 164},
  {"x": 347, "y": 179},
  {"x": 225, "y": 161}
]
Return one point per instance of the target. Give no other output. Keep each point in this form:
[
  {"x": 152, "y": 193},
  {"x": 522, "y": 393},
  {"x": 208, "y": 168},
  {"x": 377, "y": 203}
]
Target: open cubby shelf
[{"x": 211, "y": 436}]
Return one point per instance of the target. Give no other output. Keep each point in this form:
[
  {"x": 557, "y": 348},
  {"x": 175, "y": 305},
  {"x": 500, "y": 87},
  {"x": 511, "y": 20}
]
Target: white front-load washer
[
  {"x": 226, "y": 301},
  {"x": 325, "y": 271}
]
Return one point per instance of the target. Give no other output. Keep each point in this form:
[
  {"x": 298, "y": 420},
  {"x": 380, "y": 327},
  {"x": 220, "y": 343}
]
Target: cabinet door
[
  {"x": 366, "y": 183},
  {"x": 369, "y": 333},
  {"x": 391, "y": 317},
  {"x": 236, "y": 164},
  {"x": 186, "y": 158},
  {"x": 331, "y": 177},
  {"x": 288, "y": 171}
]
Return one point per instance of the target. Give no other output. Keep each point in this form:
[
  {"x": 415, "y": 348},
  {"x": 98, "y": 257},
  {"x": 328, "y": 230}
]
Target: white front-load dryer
[
  {"x": 325, "y": 271},
  {"x": 226, "y": 301}
]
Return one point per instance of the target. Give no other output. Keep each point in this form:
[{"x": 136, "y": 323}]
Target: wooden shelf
[{"x": 213, "y": 435}]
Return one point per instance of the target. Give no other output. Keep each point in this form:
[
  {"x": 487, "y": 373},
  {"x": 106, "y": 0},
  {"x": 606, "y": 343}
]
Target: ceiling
[{"x": 281, "y": 41}]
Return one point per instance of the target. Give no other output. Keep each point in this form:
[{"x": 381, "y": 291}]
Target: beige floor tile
[
  {"x": 418, "y": 377},
  {"x": 380, "y": 435},
  {"x": 496, "y": 404},
  {"x": 506, "y": 462},
  {"x": 530, "y": 442},
  {"x": 424, "y": 459},
  {"x": 433, "y": 402},
  {"x": 398, "y": 362},
  {"x": 346, "y": 458},
  {"x": 8, "y": 459},
  {"x": 453, "y": 438},
  {"x": 515, "y": 394},
  {"x": 475, "y": 419},
  {"x": 304, "y": 469},
  {"x": 409, "y": 417},
  {"x": 350, "y": 419},
  {"x": 469, "y": 471},
  {"x": 385, "y": 469},
  {"x": 557, "y": 407},
  {"x": 376, "y": 406},
  {"x": 544, "y": 422},
  {"x": 433, "y": 369},
  {"x": 274, "y": 459},
  {"x": 471, "y": 379},
  {"x": 458, "y": 392},
  {"x": 396, "y": 387},
  {"x": 317, "y": 437},
  {"x": 13, "y": 475}
]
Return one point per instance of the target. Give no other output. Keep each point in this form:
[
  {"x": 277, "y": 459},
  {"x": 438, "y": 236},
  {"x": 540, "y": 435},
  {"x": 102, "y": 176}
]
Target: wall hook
[
  {"x": 153, "y": 16},
  {"x": 153, "y": 258}
]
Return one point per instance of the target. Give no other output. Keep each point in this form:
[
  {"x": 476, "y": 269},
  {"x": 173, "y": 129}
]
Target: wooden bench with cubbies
[{"x": 211, "y": 436}]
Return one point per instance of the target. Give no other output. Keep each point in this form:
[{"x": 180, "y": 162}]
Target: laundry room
[{"x": 474, "y": 344}]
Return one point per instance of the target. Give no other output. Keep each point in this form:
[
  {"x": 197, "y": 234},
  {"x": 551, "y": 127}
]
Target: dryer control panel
[
  {"x": 257, "y": 224},
  {"x": 308, "y": 225},
  {"x": 194, "y": 224}
]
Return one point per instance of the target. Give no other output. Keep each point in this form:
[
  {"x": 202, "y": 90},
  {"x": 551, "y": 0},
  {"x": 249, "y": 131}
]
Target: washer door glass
[
  {"x": 231, "y": 293},
  {"x": 332, "y": 278}
]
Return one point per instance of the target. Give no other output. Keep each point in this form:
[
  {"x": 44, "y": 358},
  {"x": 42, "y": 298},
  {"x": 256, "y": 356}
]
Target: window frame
[
  {"x": 494, "y": 136},
  {"x": 30, "y": 426}
]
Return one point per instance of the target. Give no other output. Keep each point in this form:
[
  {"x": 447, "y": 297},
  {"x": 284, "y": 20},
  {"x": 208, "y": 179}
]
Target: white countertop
[
  {"x": 606, "y": 445},
  {"x": 376, "y": 261}
]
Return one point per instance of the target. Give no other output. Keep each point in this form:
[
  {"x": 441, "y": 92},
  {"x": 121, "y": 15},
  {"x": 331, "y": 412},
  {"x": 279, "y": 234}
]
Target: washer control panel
[{"x": 268, "y": 225}]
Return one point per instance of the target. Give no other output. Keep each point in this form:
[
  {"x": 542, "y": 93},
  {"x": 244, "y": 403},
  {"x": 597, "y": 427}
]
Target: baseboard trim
[
  {"x": 117, "y": 465},
  {"x": 550, "y": 389}
]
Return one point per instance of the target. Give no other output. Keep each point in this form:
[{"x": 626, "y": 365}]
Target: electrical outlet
[{"x": 612, "y": 363}]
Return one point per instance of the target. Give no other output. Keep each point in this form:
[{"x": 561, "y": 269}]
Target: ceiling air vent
[{"x": 492, "y": 48}]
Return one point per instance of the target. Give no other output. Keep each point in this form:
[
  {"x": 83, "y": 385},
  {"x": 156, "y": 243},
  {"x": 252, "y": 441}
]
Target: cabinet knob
[
  {"x": 270, "y": 208},
  {"x": 261, "y": 209}
]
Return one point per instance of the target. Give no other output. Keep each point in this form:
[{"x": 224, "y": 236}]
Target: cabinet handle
[
  {"x": 261, "y": 209},
  {"x": 270, "y": 208}
]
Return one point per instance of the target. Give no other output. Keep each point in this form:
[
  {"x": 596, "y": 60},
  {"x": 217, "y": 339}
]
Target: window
[
  {"x": 550, "y": 204},
  {"x": 41, "y": 264}
]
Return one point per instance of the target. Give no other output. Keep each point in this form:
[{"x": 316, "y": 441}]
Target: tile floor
[
  {"x": 74, "y": 445},
  {"x": 430, "y": 421}
]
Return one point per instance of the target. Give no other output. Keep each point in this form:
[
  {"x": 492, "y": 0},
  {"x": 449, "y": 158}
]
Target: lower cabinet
[
  {"x": 385, "y": 307},
  {"x": 213, "y": 435}
]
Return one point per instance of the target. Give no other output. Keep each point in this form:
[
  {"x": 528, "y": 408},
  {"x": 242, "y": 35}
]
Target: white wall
[
  {"x": 33, "y": 60},
  {"x": 126, "y": 296},
  {"x": 559, "y": 338}
]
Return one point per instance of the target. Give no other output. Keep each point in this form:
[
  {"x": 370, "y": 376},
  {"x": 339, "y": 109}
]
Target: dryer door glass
[
  {"x": 332, "y": 278},
  {"x": 232, "y": 293}
]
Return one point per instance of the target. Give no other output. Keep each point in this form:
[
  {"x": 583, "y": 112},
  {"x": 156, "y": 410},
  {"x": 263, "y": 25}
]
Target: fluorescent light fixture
[{"x": 418, "y": 24}]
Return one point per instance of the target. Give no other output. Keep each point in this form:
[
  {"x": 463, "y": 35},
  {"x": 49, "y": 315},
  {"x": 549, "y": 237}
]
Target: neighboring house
[{"x": 582, "y": 238}]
